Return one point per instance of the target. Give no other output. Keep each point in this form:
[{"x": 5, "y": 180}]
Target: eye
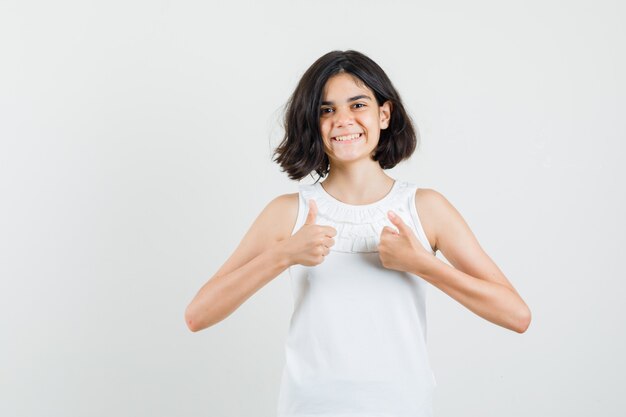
[
  {"x": 326, "y": 110},
  {"x": 359, "y": 104}
]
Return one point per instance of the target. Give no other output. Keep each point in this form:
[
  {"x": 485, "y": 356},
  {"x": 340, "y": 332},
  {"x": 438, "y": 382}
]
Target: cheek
[{"x": 324, "y": 128}]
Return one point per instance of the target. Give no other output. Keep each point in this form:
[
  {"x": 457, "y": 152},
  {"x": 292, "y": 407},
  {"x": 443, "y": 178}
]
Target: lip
[{"x": 347, "y": 141}]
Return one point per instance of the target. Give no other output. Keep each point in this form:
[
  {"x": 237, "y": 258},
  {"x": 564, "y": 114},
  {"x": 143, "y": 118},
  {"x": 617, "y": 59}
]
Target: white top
[{"x": 356, "y": 345}]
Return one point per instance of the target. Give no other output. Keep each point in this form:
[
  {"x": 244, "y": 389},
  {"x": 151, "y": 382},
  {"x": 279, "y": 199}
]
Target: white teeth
[{"x": 348, "y": 137}]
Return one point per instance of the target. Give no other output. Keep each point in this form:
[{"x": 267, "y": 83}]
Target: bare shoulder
[
  {"x": 430, "y": 205},
  {"x": 440, "y": 218},
  {"x": 273, "y": 224},
  {"x": 282, "y": 213},
  {"x": 455, "y": 239},
  {"x": 275, "y": 221}
]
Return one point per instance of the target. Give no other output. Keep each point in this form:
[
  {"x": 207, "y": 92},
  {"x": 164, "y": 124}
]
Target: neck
[{"x": 358, "y": 185}]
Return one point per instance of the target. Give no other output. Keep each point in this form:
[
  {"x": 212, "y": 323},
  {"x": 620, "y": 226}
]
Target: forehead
[{"x": 344, "y": 85}]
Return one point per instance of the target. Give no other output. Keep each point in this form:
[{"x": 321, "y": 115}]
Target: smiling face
[{"x": 351, "y": 119}]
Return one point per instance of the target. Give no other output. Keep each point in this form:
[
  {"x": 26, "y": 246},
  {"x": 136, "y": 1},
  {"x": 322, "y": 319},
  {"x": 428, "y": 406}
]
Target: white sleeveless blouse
[{"x": 356, "y": 345}]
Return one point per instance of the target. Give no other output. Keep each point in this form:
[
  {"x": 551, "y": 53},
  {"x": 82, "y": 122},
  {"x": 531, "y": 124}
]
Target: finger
[
  {"x": 389, "y": 230},
  {"x": 312, "y": 214},
  {"x": 397, "y": 221},
  {"x": 330, "y": 231},
  {"x": 328, "y": 242}
]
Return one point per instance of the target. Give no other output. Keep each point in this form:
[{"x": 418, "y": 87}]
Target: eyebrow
[{"x": 349, "y": 100}]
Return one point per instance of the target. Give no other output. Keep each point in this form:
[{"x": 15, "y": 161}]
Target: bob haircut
[{"x": 302, "y": 151}]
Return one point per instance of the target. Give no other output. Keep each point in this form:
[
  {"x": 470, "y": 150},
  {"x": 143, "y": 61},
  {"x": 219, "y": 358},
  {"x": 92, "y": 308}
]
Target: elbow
[
  {"x": 195, "y": 323},
  {"x": 191, "y": 321},
  {"x": 523, "y": 321}
]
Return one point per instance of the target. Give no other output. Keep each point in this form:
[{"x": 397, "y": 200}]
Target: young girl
[{"x": 360, "y": 248}]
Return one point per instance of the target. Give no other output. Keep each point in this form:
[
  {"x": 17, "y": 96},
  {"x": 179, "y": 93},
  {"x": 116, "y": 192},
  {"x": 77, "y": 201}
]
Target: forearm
[
  {"x": 222, "y": 295},
  {"x": 489, "y": 300}
]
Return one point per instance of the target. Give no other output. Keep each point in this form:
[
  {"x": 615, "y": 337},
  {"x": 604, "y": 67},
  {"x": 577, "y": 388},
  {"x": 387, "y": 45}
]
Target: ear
[{"x": 385, "y": 114}]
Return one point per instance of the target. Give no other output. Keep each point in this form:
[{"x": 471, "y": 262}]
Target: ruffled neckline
[
  {"x": 382, "y": 201},
  {"x": 358, "y": 226}
]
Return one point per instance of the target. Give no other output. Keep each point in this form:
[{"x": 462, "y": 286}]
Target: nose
[{"x": 343, "y": 117}]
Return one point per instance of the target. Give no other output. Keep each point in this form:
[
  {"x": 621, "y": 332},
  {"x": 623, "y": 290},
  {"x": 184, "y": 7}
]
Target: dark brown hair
[{"x": 301, "y": 151}]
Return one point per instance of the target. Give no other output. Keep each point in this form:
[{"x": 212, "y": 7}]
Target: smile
[{"x": 348, "y": 138}]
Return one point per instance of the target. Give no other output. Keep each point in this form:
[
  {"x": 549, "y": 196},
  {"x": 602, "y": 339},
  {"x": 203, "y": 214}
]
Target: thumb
[
  {"x": 310, "y": 218},
  {"x": 397, "y": 221}
]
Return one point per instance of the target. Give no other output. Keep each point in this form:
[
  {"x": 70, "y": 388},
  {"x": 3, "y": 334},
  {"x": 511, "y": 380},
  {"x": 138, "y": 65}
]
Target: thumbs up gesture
[
  {"x": 400, "y": 249},
  {"x": 309, "y": 245}
]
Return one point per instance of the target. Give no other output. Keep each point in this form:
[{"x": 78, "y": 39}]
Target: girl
[{"x": 360, "y": 248}]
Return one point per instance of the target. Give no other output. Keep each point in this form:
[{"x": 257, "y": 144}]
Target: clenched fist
[
  {"x": 400, "y": 249},
  {"x": 309, "y": 245}
]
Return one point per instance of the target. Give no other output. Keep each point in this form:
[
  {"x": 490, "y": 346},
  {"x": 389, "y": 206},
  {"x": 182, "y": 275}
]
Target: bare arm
[
  {"x": 258, "y": 259},
  {"x": 474, "y": 280},
  {"x": 265, "y": 251},
  {"x": 495, "y": 302},
  {"x": 223, "y": 294}
]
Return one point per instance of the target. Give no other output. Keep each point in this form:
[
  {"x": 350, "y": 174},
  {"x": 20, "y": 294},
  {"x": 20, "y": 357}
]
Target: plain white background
[{"x": 135, "y": 152}]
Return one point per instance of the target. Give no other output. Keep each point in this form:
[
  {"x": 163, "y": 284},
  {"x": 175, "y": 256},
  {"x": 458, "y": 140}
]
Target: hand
[
  {"x": 309, "y": 245},
  {"x": 401, "y": 250}
]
